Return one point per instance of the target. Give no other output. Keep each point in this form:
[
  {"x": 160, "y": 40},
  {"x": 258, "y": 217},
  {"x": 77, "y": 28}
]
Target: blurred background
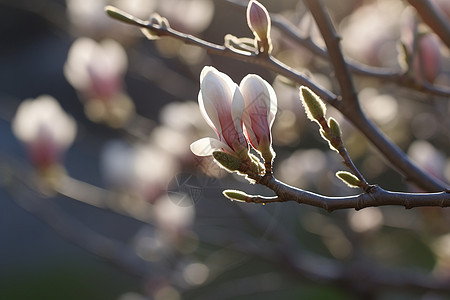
[{"x": 101, "y": 198}]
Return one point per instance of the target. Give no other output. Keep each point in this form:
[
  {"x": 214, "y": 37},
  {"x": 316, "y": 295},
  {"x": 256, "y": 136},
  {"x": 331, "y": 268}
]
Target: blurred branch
[
  {"x": 361, "y": 275},
  {"x": 331, "y": 38},
  {"x": 356, "y": 116},
  {"x": 393, "y": 76},
  {"x": 433, "y": 18},
  {"x": 76, "y": 232},
  {"x": 95, "y": 196}
]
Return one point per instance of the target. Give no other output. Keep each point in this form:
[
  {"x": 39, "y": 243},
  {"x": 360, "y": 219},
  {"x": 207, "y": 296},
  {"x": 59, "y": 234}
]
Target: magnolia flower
[
  {"x": 259, "y": 114},
  {"x": 45, "y": 129},
  {"x": 222, "y": 105}
]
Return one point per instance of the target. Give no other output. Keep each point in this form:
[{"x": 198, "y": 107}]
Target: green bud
[
  {"x": 335, "y": 129},
  {"x": 349, "y": 179},
  {"x": 122, "y": 16},
  {"x": 235, "y": 195},
  {"x": 326, "y": 136},
  {"x": 228, "y": 161},
  {"x": 314, "y": 106}
]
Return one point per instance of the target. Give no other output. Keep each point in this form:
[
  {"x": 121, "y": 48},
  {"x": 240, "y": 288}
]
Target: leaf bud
[
  {"x": 314, "y": 106},
  {"x": 349, "y": 179},
  {"x": 235, "y": 195},
  {"x": 228, "y": 161}
]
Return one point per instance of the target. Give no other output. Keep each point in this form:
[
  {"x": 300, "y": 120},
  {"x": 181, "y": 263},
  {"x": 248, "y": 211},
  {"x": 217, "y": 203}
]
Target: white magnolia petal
[
  {"x": 254, "y": 88},
  {"x": 212, "y": 118},
  {"x": 216, "y": 96},
  {"x": 206, "y": 146},
  {"x": 237, "y": 109},
  {"x": 249, "y": 131},
  {"x": 206, "y": 70},
  {"x": 273, "y": 104},
  {"x": 114, "y": 54}
]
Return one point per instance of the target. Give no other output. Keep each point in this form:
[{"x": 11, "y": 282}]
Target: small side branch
[{"x": 375, "y": 196}]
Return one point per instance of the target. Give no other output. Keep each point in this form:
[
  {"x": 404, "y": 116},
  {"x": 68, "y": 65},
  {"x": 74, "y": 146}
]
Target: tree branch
[
  {"x": 392, "y": 76},
  {"x": 287, "y": 253},
  {"x": 331, "y": 38},
  {"x": 375, "y": 196},
  {"x": 396, "y": 157},
  {"x": 433, "y": 18}
]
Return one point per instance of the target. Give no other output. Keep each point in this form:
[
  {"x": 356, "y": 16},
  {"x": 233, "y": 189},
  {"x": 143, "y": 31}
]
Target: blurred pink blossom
[
  {"x": 260, "y": 111},
  {"x": 96, "y": 71},
  {"x": 45, "y": 129},
  {"x": 427, "y": 57},
  {"x": 422, "y": 47}
]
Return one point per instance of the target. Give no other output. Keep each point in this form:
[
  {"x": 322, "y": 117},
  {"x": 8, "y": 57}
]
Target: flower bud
[
  {"x": 259, "y": 114},
  {"x": 258, "y": 20},
  {"x": 335, "y": 129}
]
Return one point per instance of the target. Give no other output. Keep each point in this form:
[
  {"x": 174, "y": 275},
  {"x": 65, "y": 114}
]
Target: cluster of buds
[
  {"x": 239, "y": 115},
  {"x": 330, "y": 131}
]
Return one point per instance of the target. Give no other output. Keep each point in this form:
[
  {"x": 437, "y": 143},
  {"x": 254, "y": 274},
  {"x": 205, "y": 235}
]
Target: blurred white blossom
[
  {"x": 88, "y": 17},
  {"x": 191, "y": 16},
  {"x": 96, "y": 71},
  {"x": 427, "y": 157},
  {"x": 370, "y": 33},
  {"x": 46, "y": 130}
]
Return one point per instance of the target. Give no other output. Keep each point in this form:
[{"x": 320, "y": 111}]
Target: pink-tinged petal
[
  {"x": 258, "y": 19},
  {"x": 237, "y": 111},
  {"x": 273, "y": 104},
  {"x": 257, "y": 90},
  {"x": 215, "y": 95},
  {"x": 208, "y": 118},
  {"x": 260, "y": 109},
  {"x": 206, "y": 146},
  {"x": 237, "y": 107}
]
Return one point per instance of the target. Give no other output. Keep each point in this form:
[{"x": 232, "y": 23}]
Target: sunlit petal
[{"x": 206, "y": 146}]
